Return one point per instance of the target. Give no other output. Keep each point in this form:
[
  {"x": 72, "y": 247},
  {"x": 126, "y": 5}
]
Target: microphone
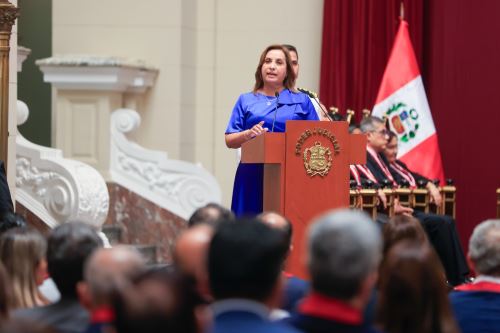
[
  {"x": 315, "y": 98},
  {"x": 277, "y": 95}
]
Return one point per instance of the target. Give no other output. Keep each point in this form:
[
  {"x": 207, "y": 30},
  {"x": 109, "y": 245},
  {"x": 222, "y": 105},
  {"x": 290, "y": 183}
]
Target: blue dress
[{"x": 250, "y": 109}]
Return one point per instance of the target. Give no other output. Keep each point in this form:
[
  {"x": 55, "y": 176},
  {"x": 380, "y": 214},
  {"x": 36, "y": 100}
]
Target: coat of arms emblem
[
  {"x": 317, "y": 160},
  {"x": 403, "y": 121}
]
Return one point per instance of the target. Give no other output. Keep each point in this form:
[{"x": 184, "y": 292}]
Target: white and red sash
[
  {"x": 367, "y": 173},
  {"x": 405, "y": 174},
  {"x": 355, "y": 174},
  {"x": 381, "y": 165}
]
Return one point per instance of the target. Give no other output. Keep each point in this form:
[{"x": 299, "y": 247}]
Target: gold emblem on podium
[{"x": 317, "y": 160}]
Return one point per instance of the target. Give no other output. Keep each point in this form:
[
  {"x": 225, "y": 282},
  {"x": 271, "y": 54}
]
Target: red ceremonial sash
[
  {"x": 480, "y": 286},
  {"x": 317, "y": 305},
  {"x": 102, "y": 315},
  {"x": 367, "y": 173},
  {"x": 381, "y": 165},
  {"x": 355, "y": 174},
  {"x": 405, "y": 174}
]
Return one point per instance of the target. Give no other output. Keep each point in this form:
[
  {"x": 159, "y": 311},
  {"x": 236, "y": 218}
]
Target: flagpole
[{"x": 402, "y": 11}]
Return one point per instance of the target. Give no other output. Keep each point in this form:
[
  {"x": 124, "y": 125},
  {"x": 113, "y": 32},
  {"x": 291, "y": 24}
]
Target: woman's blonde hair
[{"x": 21, "y": 252}]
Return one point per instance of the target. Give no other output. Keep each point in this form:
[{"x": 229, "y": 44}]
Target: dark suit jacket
[
  {"x": 5, "y": 198},
  {"x": 372, "y": 165},
  {"x": 64, "y": 316},
  {"x": 418, "y": 177}
]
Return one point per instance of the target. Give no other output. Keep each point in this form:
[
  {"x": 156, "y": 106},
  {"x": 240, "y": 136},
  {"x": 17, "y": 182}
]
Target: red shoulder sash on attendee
[
  {"x": 367, "y": 173},
  {"x": 317, "y": 305},
  {"x": 405, "y": 174},
  {"x": 487, "y": 286}
]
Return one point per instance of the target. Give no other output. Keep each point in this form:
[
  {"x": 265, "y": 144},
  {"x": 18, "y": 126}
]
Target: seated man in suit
[
  {"x": 295, "y": 288},
  {"x": 244, "y": 265},
  {"x": 440, "y": 229},
  {"x": 477, "y": 305},
  {"x": 344, "y": 252}
]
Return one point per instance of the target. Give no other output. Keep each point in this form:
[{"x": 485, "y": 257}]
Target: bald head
[
  {"x": 191, "y": 249},
  {"x": 279, "y": 222},
  {"x": 190, "y": 255},
  {"x": 108, "y": 268}
]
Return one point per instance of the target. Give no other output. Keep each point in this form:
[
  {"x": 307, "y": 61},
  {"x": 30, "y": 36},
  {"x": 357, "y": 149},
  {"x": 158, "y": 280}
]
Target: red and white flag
[{"x": 402, "y": 100}]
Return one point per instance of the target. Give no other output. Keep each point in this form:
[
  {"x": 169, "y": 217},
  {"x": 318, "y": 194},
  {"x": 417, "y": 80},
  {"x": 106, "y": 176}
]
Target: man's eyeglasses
[{"x": 382, "y": 132}]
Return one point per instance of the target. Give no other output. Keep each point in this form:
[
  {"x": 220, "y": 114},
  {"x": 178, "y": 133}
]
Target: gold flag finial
[
  {"x": 366, "y": 113},
  {"x": 349, "y": 114}
]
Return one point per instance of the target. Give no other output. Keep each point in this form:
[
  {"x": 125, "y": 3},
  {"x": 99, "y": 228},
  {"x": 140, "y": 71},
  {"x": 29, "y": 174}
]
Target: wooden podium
[{"x": 306, "y": 172}]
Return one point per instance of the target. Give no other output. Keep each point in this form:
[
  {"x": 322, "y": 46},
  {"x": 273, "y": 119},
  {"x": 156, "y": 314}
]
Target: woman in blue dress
[{"x": 272, "y": 101}]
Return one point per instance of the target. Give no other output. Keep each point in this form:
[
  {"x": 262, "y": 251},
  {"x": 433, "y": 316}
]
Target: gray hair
[
  {"x": 368, "y": 124},
  {"x": 484, "y": 248},
  {"x": 344, "y": 248}
]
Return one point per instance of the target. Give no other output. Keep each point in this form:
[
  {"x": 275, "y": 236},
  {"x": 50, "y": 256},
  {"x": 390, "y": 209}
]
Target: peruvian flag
[{"x": 401, "y": 99}]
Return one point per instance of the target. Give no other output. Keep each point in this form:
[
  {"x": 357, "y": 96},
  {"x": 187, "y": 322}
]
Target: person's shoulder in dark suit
[
  {"x": 65, "y": 316},
  {"x": 5, "y": 197}
]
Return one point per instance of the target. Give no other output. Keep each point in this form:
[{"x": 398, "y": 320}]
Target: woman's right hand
[
  {"x": 256, "y": 130},
  {"x": 235, "y": 140}
]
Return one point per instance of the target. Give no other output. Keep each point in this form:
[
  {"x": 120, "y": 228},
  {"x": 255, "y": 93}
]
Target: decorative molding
[
  {"x": 22, "y": 54},
  {"x": 8, "y": 15},
  {"x": 54, "y": 188},
  {"x": 87, "y": 72},
  {"x": 177, "y": 186}
]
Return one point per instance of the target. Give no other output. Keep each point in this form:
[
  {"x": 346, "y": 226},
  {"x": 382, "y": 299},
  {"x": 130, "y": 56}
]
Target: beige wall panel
[
  {"x": 125, "y": 13},
  {"x": 82, "y": 126}
]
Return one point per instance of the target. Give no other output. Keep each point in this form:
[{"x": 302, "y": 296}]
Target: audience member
[
  {"x": 158, "y": 301},
  {"x": 22, "y": 252},
  {"x": 190, "y": 257},
  {"x": 69, "y": 245},
  {"x": 14, "y": 325},
  {"x": 211, "y": 213},
  {"x": 402, "y": 227},
  {"x": 244, "y": 264},
  {"x": 344, "y": 250},
  {"x": 105, "y": 271},
  {"x": 5, "y": 196},
  {"x": 477, "y": 305},
  {"x": 10, "y": 220},
  {"x": 5, "y": 295},
  {"x": 295, "y": 288},
  {"x": 412, "y": 295}
]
